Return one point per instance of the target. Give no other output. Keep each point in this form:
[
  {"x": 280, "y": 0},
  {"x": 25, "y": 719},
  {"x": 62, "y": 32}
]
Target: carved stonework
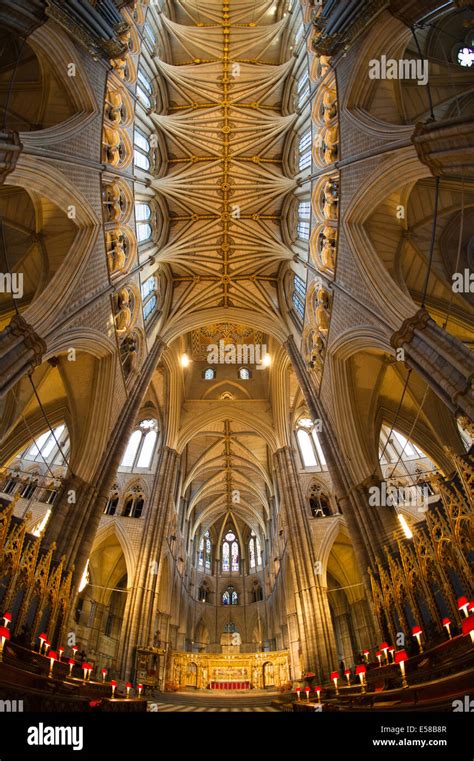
[
  {"x": 10, "y": 149},
  {"x": 405, "y": 334}
]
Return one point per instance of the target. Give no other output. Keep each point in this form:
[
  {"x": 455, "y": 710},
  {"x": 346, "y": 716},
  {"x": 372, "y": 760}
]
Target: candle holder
[
  {"x": 417, "y": 632},
  {"x": 463, "y": 604},
  {"x": 53, "y": 656},
  {"x": 113, "y": 684},
  {"x": 128, "y": 687},
  {"x": 360, "y": 671},
  {"x": 4, "y": 635},
  {"x": 335, "y": 677},
  {"x": 347, "y": 674},
  {"x": 400, "y": 658}
]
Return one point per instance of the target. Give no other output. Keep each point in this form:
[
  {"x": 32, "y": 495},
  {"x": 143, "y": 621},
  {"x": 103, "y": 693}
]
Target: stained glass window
[
  {"x": 230, "y": 553},
  {"x": 244, "y": 373},
  {"x": 305, "y": 151},
  {"x": 252, "y": 552},
  {"x": 225, "y": 557},
  {"x": 204, "y": 554},
  {"x": 230, "y": 597},
  {"x": 299, "y": 295},
  {"x": 235, "y": 556},
  {"x": 209, "y": 373}
]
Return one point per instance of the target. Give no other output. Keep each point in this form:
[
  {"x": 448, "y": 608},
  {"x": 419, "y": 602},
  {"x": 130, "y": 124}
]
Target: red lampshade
[
  {"x": 470, "y": 607},
  {"x": 48, "y": 643},
  {"x": 129, "y": 685},
  {"x": 318, "y": 688},
  {"x": 384, "y": 646},
  {"x": 104, "y": 671},
  {"x": 361, "y": 669},
  {"x": 60, "y": 649},
  {"x": 462, "y": 602},
  {"x": 74, "y": 648},
  {"x": 52, "y": 655},
  {"x": 113, "y": 683},
  {"x": 43, "y": 637},
  {"x": 71, "y": 661},
  {"x": 468, "y": 625},
  {"x": 347, "y": 672},
  {"x": 334, "y": 674},
  {"x": 446, "y": 621},
  {"x": 86, "y": 666},
  {"x": 416, "y": 630},
  {"x": 401, "y": 656},
  {"x": 307, "y": 689},
  {"x": 378, "y": 654},
  {"x": 8, "y": 616},
  {"x": 365, "y": 652},
  {"x": 4, "y": 632},
  {"x": 140, "y": 686}
]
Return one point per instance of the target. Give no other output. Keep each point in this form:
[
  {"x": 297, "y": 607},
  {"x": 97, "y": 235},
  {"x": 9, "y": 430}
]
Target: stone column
[
  {"x": 74, "y": 525},
  {"x": 142, "y": 609},
  {"x": 21, "y": 350},
  {"x": 441, "y": 359},
  {"x": 370, "y": 527},
  {"x": 447, "y": 147},
  {"x": 314, "y": 618}
]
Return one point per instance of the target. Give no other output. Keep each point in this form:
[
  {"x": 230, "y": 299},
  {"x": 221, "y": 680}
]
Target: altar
[{"x": 225, "y": 671}]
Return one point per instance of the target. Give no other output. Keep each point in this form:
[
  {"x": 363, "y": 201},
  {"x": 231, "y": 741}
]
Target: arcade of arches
[{"x": 230, "y": 331}]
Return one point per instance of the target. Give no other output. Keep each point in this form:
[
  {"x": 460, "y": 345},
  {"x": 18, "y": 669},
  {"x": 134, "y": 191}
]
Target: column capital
[
  {"x": 405, "y": 333},
  {"x": 10, "y": 149}
]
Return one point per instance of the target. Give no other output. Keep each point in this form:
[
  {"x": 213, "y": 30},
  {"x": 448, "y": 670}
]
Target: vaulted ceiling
[
  {"x": 224, "y": 134},
  {"x": 226, "y": 71}
]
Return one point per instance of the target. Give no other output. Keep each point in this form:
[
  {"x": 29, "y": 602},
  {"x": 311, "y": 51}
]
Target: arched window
[
  {"x": 302, "y": 86},
  {"x": 230, "y": 597},
  {"x": 298, "y": 296},
  {"x": 465, "y": 56},
  {"x": 141, "y": 446},
  {"x": 255, "y": 551},
  {"x": 149, "y": 295},
  {"x": 304, "y": 151},
  {"x": 142, "y": 214},
  {"x": 141, "y": 152},
  {"x": 311, "y": 452},
  {"x": 304, "y": 217},
  {"x": 204, "y": 555},
  {"x": 244, "y": 373},
  {"x": 144, "y": 88},
  {"x": 203, "y": 593},
  {"x": 230, "y": 553},
  {"x": 209, "y": 373},
  {"x": 112, "y": 502},
  {"x": 318, "y": 502},
  {"x": 133, "y": 504},
  {"x": 394, "y": 447},
  {"x": 50, "y": 446}
]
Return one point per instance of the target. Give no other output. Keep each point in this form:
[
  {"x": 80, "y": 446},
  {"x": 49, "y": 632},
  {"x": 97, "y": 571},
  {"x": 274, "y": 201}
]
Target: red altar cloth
[{"x": 230, "y": 685}]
